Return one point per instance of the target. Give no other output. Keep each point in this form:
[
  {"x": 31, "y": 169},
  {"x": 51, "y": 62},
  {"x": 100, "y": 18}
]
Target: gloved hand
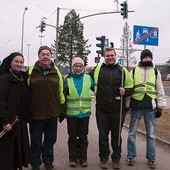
[
  {"x": 158, "y": 113},
  {"x": 62, "y": 117}
]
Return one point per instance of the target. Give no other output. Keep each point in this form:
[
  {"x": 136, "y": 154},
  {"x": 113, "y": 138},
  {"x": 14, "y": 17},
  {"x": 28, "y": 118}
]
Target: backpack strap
[{"x": 156, "y": 72}]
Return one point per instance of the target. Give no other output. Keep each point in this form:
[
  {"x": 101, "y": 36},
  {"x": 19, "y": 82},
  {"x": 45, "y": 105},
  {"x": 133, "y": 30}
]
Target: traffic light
[
  {"x": 101, "y": 45},
  {"x": 85, "y": 61},
  {"x": 42, "y": 26},
  {"x": 112, "y": 44},
  {"x": 124, "y": 9},
  {"x": 97, "y": 59}
]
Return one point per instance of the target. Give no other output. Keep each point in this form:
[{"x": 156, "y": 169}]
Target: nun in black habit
[{"x": 14, "y": 144}]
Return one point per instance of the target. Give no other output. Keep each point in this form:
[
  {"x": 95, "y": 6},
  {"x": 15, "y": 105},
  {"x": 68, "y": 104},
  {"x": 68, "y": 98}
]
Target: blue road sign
[
  {"x": 120, "y": 61},
  {"x": 106, "y": 43},
  {"x": 143, "y": 35}
]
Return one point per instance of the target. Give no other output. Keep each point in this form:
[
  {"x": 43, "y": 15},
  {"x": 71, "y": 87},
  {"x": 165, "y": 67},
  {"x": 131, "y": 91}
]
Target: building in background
[{"x": 164, "y": 70}]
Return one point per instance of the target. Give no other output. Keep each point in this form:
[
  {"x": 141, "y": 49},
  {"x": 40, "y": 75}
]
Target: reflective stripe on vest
[
  {"x": 149, "y": 87},
  {"x": 76, "y": 103},
  {"x": 62, "y": 97}
]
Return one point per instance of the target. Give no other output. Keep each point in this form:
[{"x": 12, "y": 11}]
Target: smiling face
[
  {"x": 110, "y": 57},
  {"x": 78, "y": 68},
  {"x": 45, "y": 58},
  {"x": 17, "y": 64}
]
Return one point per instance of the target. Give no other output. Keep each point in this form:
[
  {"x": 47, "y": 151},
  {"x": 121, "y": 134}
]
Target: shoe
[
  {"x": 84, "y": 163},
  {"x": 49, "y": 166},
  {"x": 116, "y": 165},
  {"x": 152, "y": 164},
  {"x": 72, "y": 164},
  {"x": 130, "y": 162},
  {"x": 104, "y": 165},
  {"x": 35, "y": 168}
]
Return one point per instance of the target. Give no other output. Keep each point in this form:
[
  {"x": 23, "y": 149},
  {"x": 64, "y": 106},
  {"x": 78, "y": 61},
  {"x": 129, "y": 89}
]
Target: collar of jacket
[
  {"x": 51, "y": 68},
  {"x": 73, "y": 74},
  {"x": 110, "y": 65}
]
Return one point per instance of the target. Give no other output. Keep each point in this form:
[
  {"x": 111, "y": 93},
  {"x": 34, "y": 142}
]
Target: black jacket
[
  {"x": 109, "y": 81},
  {"x": 13, "y": 102}
]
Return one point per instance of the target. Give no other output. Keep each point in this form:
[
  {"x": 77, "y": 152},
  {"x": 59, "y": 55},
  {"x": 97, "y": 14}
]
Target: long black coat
[{"x": 14, "y": 145}]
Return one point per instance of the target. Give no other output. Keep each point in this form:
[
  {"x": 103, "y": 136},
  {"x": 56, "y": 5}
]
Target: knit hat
[
  {"x": 145, "y": 53},
  {"x": 45, "y": 47},
  {"x": 6, "y": 63},
  {"x": 77, "y": 60}
]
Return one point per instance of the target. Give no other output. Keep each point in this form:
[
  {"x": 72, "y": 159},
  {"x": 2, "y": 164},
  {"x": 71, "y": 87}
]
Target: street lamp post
[
  {"x": 57, "y": 28},
  {"x": 41, "y": 37},
  {"x": 23, "y": 30},
  {"x": 28, "y": 54}
]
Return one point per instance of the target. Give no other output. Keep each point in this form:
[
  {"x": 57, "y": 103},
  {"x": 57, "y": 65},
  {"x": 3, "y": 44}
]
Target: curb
[{"x": 159, "y": 140}]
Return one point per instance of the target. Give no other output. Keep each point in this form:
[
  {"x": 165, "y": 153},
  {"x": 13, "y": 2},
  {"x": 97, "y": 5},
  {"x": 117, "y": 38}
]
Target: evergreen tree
[
  {"x": 130, "y": 58},
  {"x": 71, "y": 40}
]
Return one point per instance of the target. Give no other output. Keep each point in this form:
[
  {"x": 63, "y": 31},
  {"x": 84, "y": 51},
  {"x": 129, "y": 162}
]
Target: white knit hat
[{"x": 77, "y": 60}]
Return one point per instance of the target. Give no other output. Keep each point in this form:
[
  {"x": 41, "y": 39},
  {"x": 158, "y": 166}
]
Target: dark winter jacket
[
  {"x": 109, "y": 81},
  {"x": 44, "y": 89},
  {"x": 13, "y": 98},
  {"x": 14, "y": 145}
]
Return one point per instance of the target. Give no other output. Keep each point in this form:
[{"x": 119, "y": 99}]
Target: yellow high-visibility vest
[
  {"x": 149, "y": 87},
  {"x": 76, "y": 103}
]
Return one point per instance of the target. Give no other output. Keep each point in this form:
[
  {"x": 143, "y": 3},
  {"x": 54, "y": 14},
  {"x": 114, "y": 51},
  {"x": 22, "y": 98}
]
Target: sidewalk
[
  {"x": 168, "y": 102},
  {"x": 62, "y": 157}
]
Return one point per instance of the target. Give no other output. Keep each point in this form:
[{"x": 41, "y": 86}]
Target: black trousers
[
  {"x": 77, "y": 142},
  {"x": 106, "y": 123}
]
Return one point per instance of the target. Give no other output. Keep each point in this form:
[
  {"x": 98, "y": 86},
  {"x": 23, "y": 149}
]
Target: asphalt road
[{"x": 61, "y": 150}]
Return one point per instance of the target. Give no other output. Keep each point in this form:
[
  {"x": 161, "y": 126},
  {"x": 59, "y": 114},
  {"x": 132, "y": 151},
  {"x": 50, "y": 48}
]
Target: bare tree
[{"x": 130, "y": 59}]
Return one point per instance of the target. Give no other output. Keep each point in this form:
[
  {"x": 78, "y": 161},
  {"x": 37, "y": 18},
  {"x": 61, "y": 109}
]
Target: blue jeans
[
  {"x": 150, "y": 124},
  {"x": 109, "y": 122},
  {"x": 42, "y": 147}
]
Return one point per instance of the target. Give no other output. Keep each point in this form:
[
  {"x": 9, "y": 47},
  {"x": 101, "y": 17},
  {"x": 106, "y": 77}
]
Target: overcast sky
[{"x": 151, "y": 13}]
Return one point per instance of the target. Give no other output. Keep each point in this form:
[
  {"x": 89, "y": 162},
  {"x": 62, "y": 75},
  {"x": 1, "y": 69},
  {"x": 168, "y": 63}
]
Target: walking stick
[
  {"x": 121, "y": 99},
  {"x": 13, "y": 122}
]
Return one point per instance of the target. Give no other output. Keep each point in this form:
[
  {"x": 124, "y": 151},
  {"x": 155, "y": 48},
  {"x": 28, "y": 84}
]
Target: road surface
[{"x": 61, "y": 150}]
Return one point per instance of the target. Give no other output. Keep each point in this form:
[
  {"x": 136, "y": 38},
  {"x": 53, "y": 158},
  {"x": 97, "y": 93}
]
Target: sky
[{"x": 148, "y": 13}]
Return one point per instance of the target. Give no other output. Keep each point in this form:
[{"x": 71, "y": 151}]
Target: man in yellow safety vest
[{"x": 147, "y": 100}]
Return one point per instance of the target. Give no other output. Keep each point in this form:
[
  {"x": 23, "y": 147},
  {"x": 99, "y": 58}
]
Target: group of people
[{"x": 41, "y": 97}]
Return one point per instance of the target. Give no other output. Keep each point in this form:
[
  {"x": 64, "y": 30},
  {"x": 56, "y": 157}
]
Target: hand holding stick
[{"x": 12, "y": 123}]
